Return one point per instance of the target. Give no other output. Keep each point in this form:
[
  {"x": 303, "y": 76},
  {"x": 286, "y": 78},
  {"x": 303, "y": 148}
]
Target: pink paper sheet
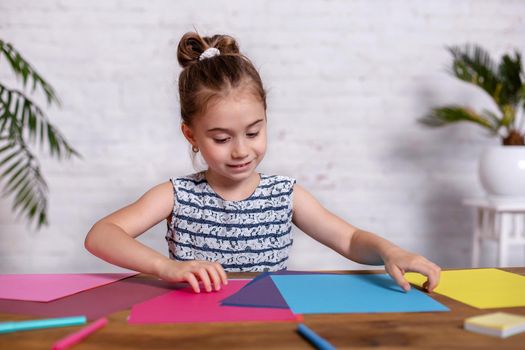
[
  {"x": 94, "y": 303},
  {"x": 185, "y": 306},
  {"x": 48, "y": 287}
]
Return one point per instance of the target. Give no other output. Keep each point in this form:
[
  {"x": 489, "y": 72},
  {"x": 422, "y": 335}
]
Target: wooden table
[{"x": 439, "y": 330}]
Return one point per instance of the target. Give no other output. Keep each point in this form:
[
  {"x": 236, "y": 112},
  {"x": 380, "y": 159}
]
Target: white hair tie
[{"x": 209, "y": 53}]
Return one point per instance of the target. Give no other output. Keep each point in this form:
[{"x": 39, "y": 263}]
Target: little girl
[{"x": 230, "y": 217}]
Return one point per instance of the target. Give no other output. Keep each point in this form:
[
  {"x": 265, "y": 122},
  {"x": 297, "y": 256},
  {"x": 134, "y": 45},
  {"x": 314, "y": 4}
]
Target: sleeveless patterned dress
[{"x": 254, "y": 234}]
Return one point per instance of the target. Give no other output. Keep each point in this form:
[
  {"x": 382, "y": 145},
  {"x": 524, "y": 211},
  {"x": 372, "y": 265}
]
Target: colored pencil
[
  {"x": 7, "y": 327},
  {"x": 77, "y": 337},
  {"x": 314, "y": 338}
]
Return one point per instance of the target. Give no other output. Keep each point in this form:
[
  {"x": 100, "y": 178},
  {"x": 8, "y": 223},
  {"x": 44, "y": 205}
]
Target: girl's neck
[{"x": 230, "y": 189}]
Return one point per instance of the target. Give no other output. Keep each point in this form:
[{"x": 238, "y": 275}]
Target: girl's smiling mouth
[{"x": 239, "y": 166}]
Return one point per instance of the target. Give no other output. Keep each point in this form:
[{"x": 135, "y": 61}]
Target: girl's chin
[
  {"x": 236, "y": 172},
  {"x": 239, "y": 174}
]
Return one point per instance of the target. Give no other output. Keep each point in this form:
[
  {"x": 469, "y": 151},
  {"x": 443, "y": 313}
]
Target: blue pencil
[
  {"x": 7, "y": 327},
  {"x": 314, "y": 338}
]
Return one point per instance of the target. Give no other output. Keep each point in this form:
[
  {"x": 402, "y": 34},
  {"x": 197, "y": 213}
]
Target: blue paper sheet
[
  {"x": 261, "y": 292},
  {"x": 368, "y": 293}
]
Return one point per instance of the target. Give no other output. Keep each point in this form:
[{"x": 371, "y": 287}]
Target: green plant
[
  {"x": 504, "y": 83},
  {"x": 23, "y": 122}
]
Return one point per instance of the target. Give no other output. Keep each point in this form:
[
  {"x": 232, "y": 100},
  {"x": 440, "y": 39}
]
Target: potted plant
[
  {"x": 23, "y": 122},
  {"x": 502, "y": 168}
]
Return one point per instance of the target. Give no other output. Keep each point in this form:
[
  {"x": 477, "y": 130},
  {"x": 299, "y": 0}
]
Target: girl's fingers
[
  {"x": 432, "y": 271},
  {"x": 205, "y": 279},
  {"x": 210, "y": 274},
  {"x": 433, "y": 277},
  {"x": 190, "y": 278},
  {"x": 214, "y": 274},
  {"x": 398, "y": 277},
  {"x": 222, "y": 273},
  {"x": 425, "y": 286}
]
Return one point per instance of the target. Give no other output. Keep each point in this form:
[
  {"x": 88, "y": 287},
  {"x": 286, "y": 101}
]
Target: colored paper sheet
[
  {"x": 480, "y": 288},
  {"x": 185, "y": 306},
  {"x": 261, "y": 292},
  {"x": 367, "y": 293},
  {"x": 47, "y": 287},
  {"x": 94, "y": 303}
]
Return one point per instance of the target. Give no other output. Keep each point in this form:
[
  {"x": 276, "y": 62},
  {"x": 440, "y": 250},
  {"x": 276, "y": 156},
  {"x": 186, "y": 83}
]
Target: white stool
[{"x": 501, "y": 221}]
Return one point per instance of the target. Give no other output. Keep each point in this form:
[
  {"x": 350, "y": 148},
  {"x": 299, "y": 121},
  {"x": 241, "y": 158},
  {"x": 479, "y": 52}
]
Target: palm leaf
[
  {"x": 454, "y": 114},
  {"x": 504, "y": 83},
  {"x": 33, "y": 121},
  {"x": 30, "y": 77},
  {"x": 24, "y": 180},
  {"x": 22, "y": 120},
  {"x": 495, "y": 119},
  {"x": 509, "y": 72},
  {"x": 474, "y": 65},
  {"x": 521, "y": 94}
]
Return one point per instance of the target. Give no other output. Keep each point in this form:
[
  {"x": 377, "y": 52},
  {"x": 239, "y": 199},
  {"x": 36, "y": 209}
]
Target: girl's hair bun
[
  {"x": 192, "y": 45},
  {"x": 212, "y": 67}
]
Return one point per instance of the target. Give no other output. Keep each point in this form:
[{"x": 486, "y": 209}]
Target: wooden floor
[{"x": 440, "y": 330}]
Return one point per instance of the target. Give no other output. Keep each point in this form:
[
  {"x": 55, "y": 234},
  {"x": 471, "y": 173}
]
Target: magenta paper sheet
[
  {"x": 48, "y": 287},
  {"x": 185, "y": 306}
]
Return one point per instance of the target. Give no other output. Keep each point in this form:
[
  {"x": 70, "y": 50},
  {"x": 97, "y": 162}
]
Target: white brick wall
[{"x": 346, "y": 81}]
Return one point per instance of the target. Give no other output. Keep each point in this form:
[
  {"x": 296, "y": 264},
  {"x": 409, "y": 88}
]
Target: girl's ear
[{"x": 188, "y": 134}]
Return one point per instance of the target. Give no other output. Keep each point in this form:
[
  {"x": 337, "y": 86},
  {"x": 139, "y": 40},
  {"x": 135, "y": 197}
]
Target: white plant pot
[{"x": 502, "y": 172}]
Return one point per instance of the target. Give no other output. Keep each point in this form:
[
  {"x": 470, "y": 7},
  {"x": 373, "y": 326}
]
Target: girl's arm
[
  {"x": 358, "y": 245},
  {"x": 113, "y": 240}
]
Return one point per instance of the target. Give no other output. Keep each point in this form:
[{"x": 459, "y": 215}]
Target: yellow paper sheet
[{"x": 480, "y": 288}]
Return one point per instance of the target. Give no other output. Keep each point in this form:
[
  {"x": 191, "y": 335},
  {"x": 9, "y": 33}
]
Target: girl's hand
[
  {"x": 398, "y": 261},
  {"x": 194, "y": 271}
]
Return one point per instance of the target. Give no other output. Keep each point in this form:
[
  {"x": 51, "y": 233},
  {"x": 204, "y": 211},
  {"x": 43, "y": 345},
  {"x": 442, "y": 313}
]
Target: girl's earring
[{"x": 195, "y": 149}]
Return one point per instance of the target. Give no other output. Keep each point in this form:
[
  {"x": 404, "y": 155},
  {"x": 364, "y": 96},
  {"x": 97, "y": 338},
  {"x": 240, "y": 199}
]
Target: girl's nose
[{"x": 239, "y": 150}]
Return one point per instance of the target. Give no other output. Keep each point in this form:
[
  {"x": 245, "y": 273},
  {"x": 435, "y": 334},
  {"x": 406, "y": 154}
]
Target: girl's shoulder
[
  {"x": 276, "y": 178},
  {"x": 195, "y": 177},
  {"x": 280, "y": 181},
  {"x": 189, "y": 181}
]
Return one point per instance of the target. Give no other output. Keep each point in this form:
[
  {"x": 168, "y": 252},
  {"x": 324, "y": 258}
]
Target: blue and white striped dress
[{"x": 254, "y": 234}]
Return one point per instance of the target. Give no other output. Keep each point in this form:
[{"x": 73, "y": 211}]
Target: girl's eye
[
  {"x": 252, "y": 134},
  {"x": 220, "y": 140}
]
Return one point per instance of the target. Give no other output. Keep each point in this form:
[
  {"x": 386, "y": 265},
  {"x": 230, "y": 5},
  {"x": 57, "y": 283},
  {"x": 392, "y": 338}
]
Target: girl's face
[{"x": 231, "y": 135}]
